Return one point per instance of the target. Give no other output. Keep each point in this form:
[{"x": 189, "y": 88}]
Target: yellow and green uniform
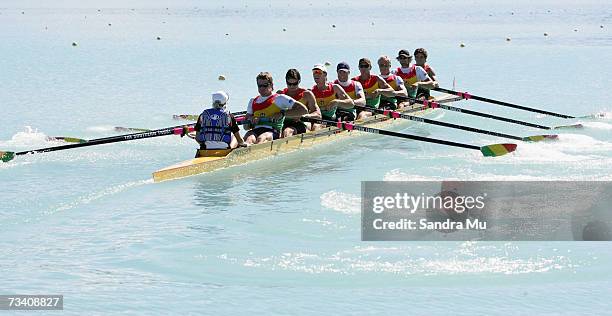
[
  {"x": 324, "y": 98},
  {"x": 268, "y": 107},
  {"x": 393, "y": 81},
  {"x": 409, "y": 78},
  {"x": 369, "y": 86},
  {"x": 351, "y": 90}
]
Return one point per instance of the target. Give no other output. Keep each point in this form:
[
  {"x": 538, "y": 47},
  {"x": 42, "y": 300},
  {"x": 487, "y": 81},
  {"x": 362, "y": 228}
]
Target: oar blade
[
  {"x": 538, "y": 138},
  {"x": 188, "y": 117},
  {"x": 130, "y": 129},
  {"x": 67, "y": 139},
  {"x": 573, "y": 126},
  {"x": 593, "y": 116},
  {"x": 7, "y": 156},
  {"x": 497, "y": 150}
]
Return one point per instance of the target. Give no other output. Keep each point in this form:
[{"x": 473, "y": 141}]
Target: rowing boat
[{"x": 211, "y": 160}]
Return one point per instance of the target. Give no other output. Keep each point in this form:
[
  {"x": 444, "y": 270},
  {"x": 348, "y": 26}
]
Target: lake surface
[{"x": 282, "y": 236}]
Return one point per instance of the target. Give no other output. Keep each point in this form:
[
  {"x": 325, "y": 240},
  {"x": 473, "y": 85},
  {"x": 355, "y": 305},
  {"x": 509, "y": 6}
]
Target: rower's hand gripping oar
[
  {"x": 6, "y": 156},
  {"x": 434, "y": 105},
  {"x": 395, "y": 114},
  {"x": 488, "y": 151},
  {"x": 469, "y": 96}
]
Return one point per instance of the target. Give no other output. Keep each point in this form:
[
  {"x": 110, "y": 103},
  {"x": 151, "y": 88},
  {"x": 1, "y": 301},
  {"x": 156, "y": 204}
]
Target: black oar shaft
[
  {"x": 502, "y": 103},
  {"x": 350, "y": 126},
  {"x": 480, "y": 114},
  {"x": 107, "y": 140},
  {"x": 445, "y": 124}
]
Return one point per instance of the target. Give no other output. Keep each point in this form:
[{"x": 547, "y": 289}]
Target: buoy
[
  {"x": 462, "y": 45},
  {"x": 545, "y": 34},
  {"x": 221, "y": 77},
  {"x": 74, "y": 44},
  {"x": 508, "y": 39}
]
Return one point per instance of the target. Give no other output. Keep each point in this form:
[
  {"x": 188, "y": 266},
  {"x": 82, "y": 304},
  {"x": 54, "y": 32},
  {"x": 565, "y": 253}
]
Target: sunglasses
[
  {"x": 292, "y": 84},
  {"x": 364, "y": 66},
  {"x": 318, "y": 72},
  {"x": 404, "y": 57},
  {"x": 263, "y": 85}
]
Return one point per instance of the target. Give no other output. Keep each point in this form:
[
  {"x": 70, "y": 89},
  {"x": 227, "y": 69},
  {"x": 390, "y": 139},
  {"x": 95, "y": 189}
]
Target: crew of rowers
[{"x": 272, "y": 115}]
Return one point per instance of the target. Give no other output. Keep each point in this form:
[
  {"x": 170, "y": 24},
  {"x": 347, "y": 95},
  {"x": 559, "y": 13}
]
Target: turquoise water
[{"x": 282, "y": 236}]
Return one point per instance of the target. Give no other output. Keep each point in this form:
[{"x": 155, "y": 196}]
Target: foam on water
[
  {"x": 94, "y": 196},
  {"x": 341, "y": 202}
]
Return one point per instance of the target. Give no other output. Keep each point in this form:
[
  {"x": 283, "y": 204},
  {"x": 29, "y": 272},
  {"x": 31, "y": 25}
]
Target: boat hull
[{"x": 226, "y": 158}]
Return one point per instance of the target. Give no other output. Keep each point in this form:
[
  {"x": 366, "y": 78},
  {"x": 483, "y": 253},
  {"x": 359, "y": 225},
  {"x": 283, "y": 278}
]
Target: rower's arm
[
  {"x": 384, "y": 88},
  {"x": 425, "y": 82},
  {"x": 313, "y": 109},
  {"x": 361, "y": 99},
  {"x": 297, "y": 110},
  {"x": 432, "y": 75},
  {"x": 342, "y": 100}
]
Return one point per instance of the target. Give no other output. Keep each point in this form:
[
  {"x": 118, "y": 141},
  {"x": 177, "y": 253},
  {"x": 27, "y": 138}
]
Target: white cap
[
  {"x": 320, "y": 67},
  {"x": 220, "y": 98}
]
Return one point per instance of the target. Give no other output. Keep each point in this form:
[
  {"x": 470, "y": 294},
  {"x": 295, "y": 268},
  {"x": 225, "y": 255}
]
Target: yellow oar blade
[
  {"x": 6, "y": 156},
  {"x": 188, "y": 117},
  {"x": 497, "y": 150},
  {"x": 537, "y": 138}
]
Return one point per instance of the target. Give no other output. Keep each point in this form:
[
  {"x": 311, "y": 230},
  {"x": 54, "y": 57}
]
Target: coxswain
[
  {"x": 420, "y": 59},
  {"x": 329, "y": 96},
  {"x": 388, "y": 100},
  {"x": 373, "y": 87},
  {"x": 414, "y": 76},
  {"x": 216, "y": 128},
  {"x": 353, "y": 89},
  {"x": 292, "y": 126},
  {"x": 267, "y": 111}
]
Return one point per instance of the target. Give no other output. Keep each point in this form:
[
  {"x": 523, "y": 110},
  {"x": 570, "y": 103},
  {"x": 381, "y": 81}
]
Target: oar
[
  {"x": 435, "y": 105},
  {"x": 488, "y": 151},
  {"x": 469, "y": 96},
  {"x": 240, "y": 119},
  {"x": 188, "y": 117},
  {"x": 6, "y": 156},
  {"x": 130, "y": 129},
  {"x": 395, "y": 114},
  {"x": 194, "y": 117},
  {"x": 67, "y": 139}
]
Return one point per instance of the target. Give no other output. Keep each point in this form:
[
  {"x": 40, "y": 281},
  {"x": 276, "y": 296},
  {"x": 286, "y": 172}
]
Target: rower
[
  {"x": 420, "y": 59},
  {"x": 267, "y": 111},
  {"x": 216, "y": 128},
  {"x": 373, "y": 86},
  {"x": 292, "y": 126},
  {"x": 388, "y": 100},
  {"x": 414, "y": 76},
  {"x": 329, "y": 96},
  {"x": 353, "y": 89}
]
